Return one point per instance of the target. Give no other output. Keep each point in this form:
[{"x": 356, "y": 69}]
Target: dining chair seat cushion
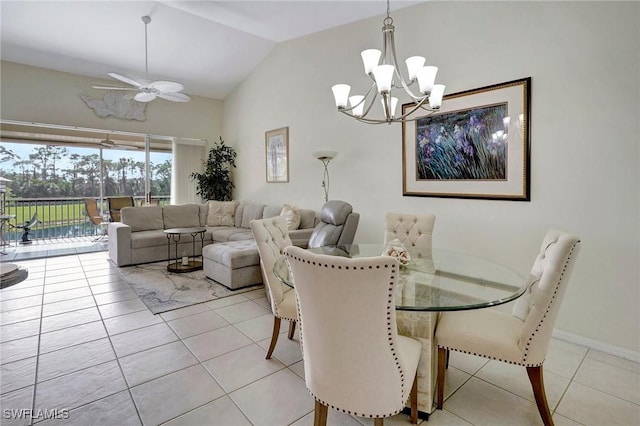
[
  {"x": 287, "y": 309},
  {"x": 482, "y": 332}
]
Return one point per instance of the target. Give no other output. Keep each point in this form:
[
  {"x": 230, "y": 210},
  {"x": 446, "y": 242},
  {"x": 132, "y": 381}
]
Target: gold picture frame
[{"x": 276, "y": 144}]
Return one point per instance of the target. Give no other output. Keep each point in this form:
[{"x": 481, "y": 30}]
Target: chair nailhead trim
[{"x": 390, "y": 305}]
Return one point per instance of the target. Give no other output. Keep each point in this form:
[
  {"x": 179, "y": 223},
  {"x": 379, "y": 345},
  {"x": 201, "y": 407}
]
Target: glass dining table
[{"x": 444, "y": 281}]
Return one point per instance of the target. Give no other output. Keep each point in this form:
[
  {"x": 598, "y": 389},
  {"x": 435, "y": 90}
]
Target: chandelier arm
[
  {"x": 404, "y": 84},
  {"x": 364, "y": 119}
]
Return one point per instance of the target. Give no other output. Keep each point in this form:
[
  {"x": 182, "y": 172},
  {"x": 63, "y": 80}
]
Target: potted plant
[{"x": 215, "y": 182}]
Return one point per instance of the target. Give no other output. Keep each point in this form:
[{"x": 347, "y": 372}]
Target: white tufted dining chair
[
  {"x": 272, "y": 237},
  {"x": 415, "y": 231},
  {"x": 354, "y": 359},
  {"x": 521, "y": 337}
]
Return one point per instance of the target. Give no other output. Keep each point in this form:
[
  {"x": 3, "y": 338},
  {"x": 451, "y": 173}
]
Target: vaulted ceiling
[{"x": 208, "y": 46}]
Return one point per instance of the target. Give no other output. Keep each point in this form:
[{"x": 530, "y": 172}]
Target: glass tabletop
[{"x": 447, "y": 281}]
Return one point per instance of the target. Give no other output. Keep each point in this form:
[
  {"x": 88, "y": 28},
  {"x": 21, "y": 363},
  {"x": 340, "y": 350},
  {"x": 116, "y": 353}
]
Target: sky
[{"x": 23, "y": 151}]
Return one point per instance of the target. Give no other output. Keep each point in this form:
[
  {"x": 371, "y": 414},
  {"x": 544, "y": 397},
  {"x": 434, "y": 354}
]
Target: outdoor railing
[{"x": 58, "y": 218}]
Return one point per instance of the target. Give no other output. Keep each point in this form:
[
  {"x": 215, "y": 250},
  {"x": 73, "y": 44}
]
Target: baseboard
[{"x": 599, "y": 346}]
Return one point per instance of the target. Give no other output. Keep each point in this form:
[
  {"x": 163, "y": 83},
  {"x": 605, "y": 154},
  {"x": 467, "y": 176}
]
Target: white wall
[
  {"x": 41, "y": 95},
  {"x": 585, "y": 66}
]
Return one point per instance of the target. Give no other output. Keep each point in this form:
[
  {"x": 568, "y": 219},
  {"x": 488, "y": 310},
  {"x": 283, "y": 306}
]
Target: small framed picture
[{"x": 277, "y": 155}]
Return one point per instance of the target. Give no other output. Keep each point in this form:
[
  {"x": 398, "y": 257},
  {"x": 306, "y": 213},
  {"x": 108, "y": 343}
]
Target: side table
[{"x": 176, "y": 263}]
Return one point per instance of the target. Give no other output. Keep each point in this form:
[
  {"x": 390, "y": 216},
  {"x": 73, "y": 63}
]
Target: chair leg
[
  {"x": 443, "y": 355},
  {"x": 320, "y": 414},
  {"x": 274, "y": 336},
  {"x": 413, "y": 398},
  {"x": 537, "y": 383},
  {"x": 378, "y": 421},
  {"x": 292, "y": 329}
]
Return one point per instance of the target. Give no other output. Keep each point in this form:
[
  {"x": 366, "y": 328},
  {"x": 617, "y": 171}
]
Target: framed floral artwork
[
  {"x": 476, "y": 146},
  {"x": 277, "y": 155}
]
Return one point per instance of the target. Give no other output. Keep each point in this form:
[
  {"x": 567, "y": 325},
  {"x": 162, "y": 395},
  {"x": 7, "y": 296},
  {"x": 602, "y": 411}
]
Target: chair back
[
  {"x": 91, "y": 206},
  {"x": 348, "y": 331},
  {"x": 337, "y": 226},
  {"x": 271, "y": 237},
  {"x": 547, "y": 283},
  {"x": 118, "y": 203},
  {"x": 415, "y": 232},
  {"x": 32, "y": 222}
]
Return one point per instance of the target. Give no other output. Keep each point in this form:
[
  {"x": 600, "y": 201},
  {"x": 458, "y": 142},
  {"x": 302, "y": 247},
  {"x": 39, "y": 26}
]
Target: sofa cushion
[
  {"x": 271, "y": 211},
  {"x": 142, "y": 218},
  {"x": 307, "y": 218},
  {"x": 238, "y": 217},
  {"x": 224, "y": 233},
  {"x": 221, "y": 213},
  {"x": 241, "y": 236},
  {"x": 251, "y": 212},
  {"x": 235, "y": 254},
  {"x": 291, "y": 217},
  {"x": 181, "y": 216},
  {"x": 204, "y": 211},
  {"x": 144, "y": 239}
]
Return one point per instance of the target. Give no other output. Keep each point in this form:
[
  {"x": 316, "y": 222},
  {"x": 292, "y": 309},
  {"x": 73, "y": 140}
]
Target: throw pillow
[
  {"x": 221, "y": 213},
  {"x": 291, "y": 217}
]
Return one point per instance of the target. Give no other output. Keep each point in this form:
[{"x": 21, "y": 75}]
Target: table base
[{"x": 178, "y": 267}]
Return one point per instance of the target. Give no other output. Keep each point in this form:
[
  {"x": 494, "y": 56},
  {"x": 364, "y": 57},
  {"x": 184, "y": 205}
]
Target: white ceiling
[{"x": 209, "y": 46}]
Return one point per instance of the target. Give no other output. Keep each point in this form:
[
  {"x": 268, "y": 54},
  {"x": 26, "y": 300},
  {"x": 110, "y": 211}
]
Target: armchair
[{"x": 338, "y": 224}]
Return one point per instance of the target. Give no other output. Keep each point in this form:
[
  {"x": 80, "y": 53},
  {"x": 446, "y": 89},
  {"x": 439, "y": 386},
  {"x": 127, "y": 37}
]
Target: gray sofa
[{"x": 139, "y": 237}]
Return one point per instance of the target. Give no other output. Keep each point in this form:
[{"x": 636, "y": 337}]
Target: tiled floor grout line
[{"x": 115, "y": 354}]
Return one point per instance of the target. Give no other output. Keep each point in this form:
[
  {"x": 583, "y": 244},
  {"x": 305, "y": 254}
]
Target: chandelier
[{"x": 382, "y": 67}]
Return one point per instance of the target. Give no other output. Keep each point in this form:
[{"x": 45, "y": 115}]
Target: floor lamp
[{"x": 325, "y": 157}]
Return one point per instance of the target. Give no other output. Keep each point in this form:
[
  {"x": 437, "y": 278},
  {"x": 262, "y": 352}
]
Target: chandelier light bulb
[
  {"x": 414, "y": 65},
  {"x": 435, "y": 99},
  {"x": 341, "y": 94},
  {"x": 370, "y": 59},
  {"x": 384, "y": 76},
  {"x": 357, "y": 105}
]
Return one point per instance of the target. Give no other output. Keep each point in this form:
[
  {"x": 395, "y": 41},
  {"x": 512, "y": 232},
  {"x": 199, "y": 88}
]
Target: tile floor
[{"x": 74, "y": 338}]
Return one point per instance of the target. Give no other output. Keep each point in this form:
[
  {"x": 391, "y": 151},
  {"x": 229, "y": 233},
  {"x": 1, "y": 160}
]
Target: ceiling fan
[
  {"x": 149, "y": 90},
  {"x": 108, "y": 143}
]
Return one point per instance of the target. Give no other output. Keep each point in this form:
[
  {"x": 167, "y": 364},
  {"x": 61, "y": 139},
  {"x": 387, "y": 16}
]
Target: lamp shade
[
  {"x": 357, "y": 103},
  {"x": 341, "y": 94},
  {"x": 370, "y": 59},
  {"x": 414, "y": 64},
  {"x": 384, "y": 76},
  {"x": 435, "y": 99},
  {"x": 426, "y": 78},
  {"x": 325, "y": 155}
]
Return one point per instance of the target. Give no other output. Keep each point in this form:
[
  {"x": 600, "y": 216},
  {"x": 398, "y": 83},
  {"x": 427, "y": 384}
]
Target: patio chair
[
  {"x": 116, "y": 204},
  {"x": 26, "y": 228},
  {"x": 95, "y": 217}
]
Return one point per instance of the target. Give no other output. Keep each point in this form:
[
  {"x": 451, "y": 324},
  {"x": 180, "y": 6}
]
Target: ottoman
[{"x": 234, "y": 264}]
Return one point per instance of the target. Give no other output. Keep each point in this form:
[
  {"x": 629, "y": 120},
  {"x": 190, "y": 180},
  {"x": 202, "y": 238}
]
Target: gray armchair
[{"x": 338, "y": 225}]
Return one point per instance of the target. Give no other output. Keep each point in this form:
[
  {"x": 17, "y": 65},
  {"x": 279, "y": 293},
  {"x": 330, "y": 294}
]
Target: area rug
[{"x": 163, "y": 291}]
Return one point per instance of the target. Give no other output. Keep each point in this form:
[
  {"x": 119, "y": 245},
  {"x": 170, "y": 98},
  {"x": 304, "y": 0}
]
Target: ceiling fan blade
[
  {"x": 144, "y": 97},
  {"x": 114, "y": 88},
  {"x": 124, "y": 79},
  {"x": 166, "y": 86},
  {"x": 175, "y": 97}
]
